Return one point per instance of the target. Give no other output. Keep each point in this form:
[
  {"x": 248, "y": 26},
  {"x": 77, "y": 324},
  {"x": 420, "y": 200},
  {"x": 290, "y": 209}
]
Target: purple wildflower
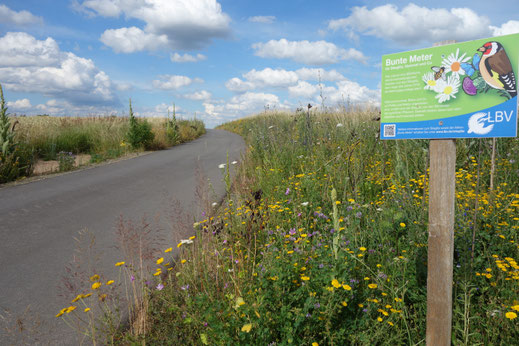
[
  {"x": 160, "y": 287},
  {"x": 287, "y": 191}
]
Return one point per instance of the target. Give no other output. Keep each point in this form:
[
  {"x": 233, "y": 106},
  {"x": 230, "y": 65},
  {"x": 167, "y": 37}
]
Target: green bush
[{"x": 140, "y": 133}]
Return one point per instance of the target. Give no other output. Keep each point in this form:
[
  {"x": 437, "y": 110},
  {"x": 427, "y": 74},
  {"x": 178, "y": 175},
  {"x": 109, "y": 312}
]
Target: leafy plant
[{"x": 139, "y": 134}]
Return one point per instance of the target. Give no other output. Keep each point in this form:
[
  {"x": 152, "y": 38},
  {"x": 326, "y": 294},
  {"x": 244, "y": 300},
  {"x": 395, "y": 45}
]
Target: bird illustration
[{"x": 496, "y": 69}]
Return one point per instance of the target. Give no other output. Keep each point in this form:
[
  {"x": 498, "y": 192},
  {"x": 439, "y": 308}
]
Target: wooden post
[{"x": 442, "y": 181}]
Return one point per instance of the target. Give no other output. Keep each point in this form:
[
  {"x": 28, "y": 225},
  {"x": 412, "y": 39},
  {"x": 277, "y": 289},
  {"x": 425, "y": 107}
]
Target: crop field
[{"x": 323, "y": 240}]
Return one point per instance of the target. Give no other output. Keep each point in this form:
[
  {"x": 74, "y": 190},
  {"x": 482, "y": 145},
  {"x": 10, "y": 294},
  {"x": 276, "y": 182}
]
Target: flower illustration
[
  {"x": 430, "y": 82},
  {"x": 453, "y": 63},
  {"x": 447, "y": 89}
]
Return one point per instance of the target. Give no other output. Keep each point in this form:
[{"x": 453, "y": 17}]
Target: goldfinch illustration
[{"x": 496, "y": 69}]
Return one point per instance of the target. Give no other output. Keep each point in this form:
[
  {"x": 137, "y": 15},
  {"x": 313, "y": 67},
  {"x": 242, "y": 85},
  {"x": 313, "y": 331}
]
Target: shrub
[{"x": 140, "y": 133}]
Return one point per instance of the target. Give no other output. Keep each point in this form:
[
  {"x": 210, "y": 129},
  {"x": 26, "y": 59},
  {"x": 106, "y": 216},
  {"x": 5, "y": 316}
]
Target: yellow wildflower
[
  {"x": 511, "y": 315},
  {"x": 160, "y": 260},
  {"x": 110, "y": 282},
  {"x": 118, "y": 264},
  {"x": 94, "y": 278},
  {"x": 305, "y": 278},
  {"x": 246, "y": 328},
  {"x": 168, "y": 250},
  {"x": 96, "y": 285},
  {"x": 336, "y": 283},
  {"x": 183, "y": 261},
  {"x": 346, "y": 287},
  {"x": 87, "y": 309}
]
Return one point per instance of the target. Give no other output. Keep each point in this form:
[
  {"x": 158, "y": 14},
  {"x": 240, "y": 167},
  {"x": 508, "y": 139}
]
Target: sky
[{"x": 218, "y": 60}]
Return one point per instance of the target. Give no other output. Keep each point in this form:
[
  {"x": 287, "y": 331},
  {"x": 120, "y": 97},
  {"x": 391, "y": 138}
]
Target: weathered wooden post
[
  {"x": 440, "y": 254},
  {"x": 442, "y": 181}
]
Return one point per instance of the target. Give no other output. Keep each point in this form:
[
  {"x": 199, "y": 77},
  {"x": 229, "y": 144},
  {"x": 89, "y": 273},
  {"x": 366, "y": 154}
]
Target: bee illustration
[{"x": 439, "y": 72}]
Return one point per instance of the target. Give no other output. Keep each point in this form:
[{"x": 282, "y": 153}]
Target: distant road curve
[{"x": 38, "y": 221}]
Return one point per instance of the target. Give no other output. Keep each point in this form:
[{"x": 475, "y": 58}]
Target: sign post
[{"x": 462, "y": 90}]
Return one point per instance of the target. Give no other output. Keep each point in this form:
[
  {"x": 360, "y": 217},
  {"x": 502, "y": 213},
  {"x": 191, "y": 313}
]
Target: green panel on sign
[{"x": 450, "y": 80}]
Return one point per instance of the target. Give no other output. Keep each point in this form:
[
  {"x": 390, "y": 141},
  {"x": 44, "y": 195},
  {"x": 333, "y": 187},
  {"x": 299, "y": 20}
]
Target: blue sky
[{"x": 220, "y": 60}]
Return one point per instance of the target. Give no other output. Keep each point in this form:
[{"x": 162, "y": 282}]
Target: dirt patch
[{"x": 46, "y": 167}]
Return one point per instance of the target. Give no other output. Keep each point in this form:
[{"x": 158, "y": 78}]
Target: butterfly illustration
[
  {"x": 439, "y": 72},
  {"x": 471, "y": 68}
]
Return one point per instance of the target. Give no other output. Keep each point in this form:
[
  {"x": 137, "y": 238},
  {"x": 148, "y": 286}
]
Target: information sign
[{"x": 462, "y": 90}]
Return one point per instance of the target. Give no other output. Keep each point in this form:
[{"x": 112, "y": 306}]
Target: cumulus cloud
[
  {"x": 306, "y": 52},
  {"x": 303, "y": 89},
  {"x": 198, "y": 95},
  {"x": 237, "y": 85},
  {"x": 243, "y": 104},
  {"x": 180, "y": 24},
  {"x": 315, "y": 73},
  {"x": 510, "y": 27},
  {"x": 350, "y": 91},
  {"x": 8, "y": 16},
  {"x": 133, "y": 39},
  {"x": 270, "y": 77},
  {"x": 19, "y": 105},
  {"x": 173, "y": 82},
  {"x": 41, "y": 67},
  {"x": 279, "y": 78},
  {"x": 414, "y": 24},
  {"x": 187, "y": 57},
  {"x": 262, "y": 19}
]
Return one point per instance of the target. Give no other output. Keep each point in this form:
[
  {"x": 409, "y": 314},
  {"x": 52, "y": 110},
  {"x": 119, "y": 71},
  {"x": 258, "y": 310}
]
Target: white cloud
[
  {"x": 510, "y": 27},
  {"x": 18, "y": 49},
  {"x": 8, "y": 16},
  {"x": 240, "y": 105},
  {"x": 303, "y": 89},
  {"x": 19, "y": 105},
  {"x": 173, "y": 82},
  {"x": 184, "y": 24},
  {"x": 42, "y": 68},
  {"x": 306, "y": 52},
  {"x": 314, "y": 74},
  {"x": 349, "y": 91},
  {"x": 271, "y": 78},
  {"x": 198, "y": 95},
  {"x": 133, "y": 39},
  {"x": 122, "y": 86},
  {"x": 262, "y": 19},
  {"x": 279, "y": 78},
  {"x": 187, "y": 57},
  {"x": 414, "y": 24},
  {"x": 237, "y": 85}
]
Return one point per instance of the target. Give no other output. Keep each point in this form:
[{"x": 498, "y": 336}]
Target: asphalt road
[{"x": 39, "y": 221}]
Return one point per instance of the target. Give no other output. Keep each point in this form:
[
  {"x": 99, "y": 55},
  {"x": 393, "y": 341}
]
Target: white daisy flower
[
  {"x": 453, "y": 63},
  {"x": 430, "y": 82},
  {"x": 234, "y": 162},
  {"x": 304, "y": 204},
  {"x": 447, "y": 89},
  {"x": 221, "y": 165},
  {"x": 340, "y": 125}
]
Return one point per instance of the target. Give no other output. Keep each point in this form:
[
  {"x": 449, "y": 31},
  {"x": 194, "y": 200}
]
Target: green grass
[{"x": 323, "y": 239}]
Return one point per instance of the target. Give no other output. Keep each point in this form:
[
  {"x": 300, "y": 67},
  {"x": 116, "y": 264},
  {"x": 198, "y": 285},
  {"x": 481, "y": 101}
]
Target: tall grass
[
  {"x": 101, "y": 137},
  {"x": 323, "y": 240}
]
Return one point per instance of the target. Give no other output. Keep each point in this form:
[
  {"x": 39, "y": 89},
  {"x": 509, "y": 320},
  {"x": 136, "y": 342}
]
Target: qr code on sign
[{"x": 389, "y": 130}]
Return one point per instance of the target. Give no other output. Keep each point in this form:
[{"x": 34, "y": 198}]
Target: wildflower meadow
[{"x": 322, "y": 240}]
